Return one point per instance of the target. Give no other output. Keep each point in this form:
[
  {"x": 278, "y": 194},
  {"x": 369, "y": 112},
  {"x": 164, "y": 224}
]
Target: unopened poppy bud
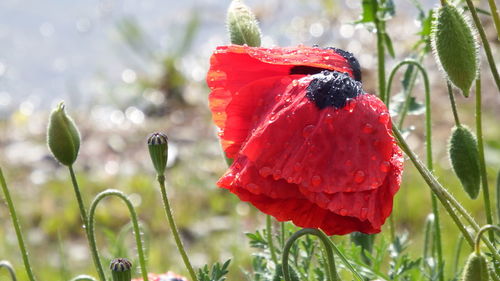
[
  {"x": 63, "y": 137},
  {"x": 121, "y": 269},
  {"x": 465, "y": 159},
  {"x": 476, "y": 268},
  {"x": 158, "y": 150},
  {"x": 455, "y": 47},
  {"x": 242, "y": 26}
]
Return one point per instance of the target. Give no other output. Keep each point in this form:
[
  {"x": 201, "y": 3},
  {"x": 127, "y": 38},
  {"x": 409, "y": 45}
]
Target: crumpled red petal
[{"x": 233, "y": 66}]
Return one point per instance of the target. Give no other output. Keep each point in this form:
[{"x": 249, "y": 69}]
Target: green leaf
[
  {"x": 369, "y": 9},
  {"x": 388, "y": 44}
]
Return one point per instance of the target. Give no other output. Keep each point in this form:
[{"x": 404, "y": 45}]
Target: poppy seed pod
[
  {"x": 476, "y": 268},
  {"x": 63, "y": 137},
  {"x": 121, "y": 269},
  {"x": 454, "y": 47},
  {"x": 464, "y": 159},
  {"x": 242, "y": 26},
  {"x": 158, "y": 150}
]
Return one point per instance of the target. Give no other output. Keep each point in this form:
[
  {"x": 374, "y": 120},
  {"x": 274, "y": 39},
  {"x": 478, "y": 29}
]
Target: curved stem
[
  {"x": 494, "y": 14},
  {"x": 482, "y": 161},
  {"x": 447, "y": 200},
  {"x": 331, "y": 272},
  {"x": 270, "y": 239},
  {"x": 83, "y": 215},
  {"x": 17, "y": 227},
  {"x": 173, "y": 228},
  {"x": 83, "y": 278},
  {"x": 10, "y": 269},
  {"x": 480, "y": 233},
  {"x": 135, "y": 223},
  {"x": 453, "y": 104},
  {"x": 486, "y": 44}
]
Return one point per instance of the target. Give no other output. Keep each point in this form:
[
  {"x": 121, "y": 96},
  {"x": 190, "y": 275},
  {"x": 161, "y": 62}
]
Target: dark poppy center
[{"x": 332, "y": 88}]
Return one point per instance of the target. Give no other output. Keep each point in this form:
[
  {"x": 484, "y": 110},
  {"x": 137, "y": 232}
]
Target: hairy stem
[
  {"x": 83, "y": 215},
  {"x": 269, "y": 233},
  {"x": 486, "y": 44},
  {"x": 494, "y": 14},
  {"x": 173, "y": 228},
  {"x": 135, "y": 224},
  {"x": 17, "y": 227},
  {"x": 331, "y": 272},
  {"x": 453, "y": 104},
  {"x": 9, "y": 268},
  {"x": 380, "y": 52}
]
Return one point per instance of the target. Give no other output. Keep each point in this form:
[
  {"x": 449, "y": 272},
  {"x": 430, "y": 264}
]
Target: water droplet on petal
[
  {"x": 359, "y": 176},
  {"x": 384, "y": 118},
  {"x": 316, "y": 180},
  {"x": 363, "y": 214},
  {"x": 308, "y": 131},
  {"x": 329, "y": 118},
  {"x": 367, "y": 128},
  {"x": 350, "y": 105},
  {"x": 265, "y": 172},
  {"x": 385, "y": 166},
  {"x": 252, "y": 187},
  {"x": 343, "y": 212},
  {"x": 297, "y": 167},
  {"x": 295, "y": 83},
  {"x": 277, "y": 175}
]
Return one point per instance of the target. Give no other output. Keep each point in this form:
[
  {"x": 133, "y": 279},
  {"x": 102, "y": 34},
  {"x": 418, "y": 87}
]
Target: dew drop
[
  {"x": 359, "y": 176},
  {"x": 265, "y": 172},
  {"x": 83, "y": 226},
  {"x": 367, "y": 128},
  {"x": 277, "y": 175},
  {"x": 329, "y": 118},
  {"x": 308, "y": 131},
  {"x": 350, "y": 105},
  {"x": 295, "y": 83},
  {"x": 316, "y": 180},
  {"x": 272, "y": 118},
  {"x": 220, "y": 134},
  {"x": 385, "y": 166},
  {"x": 252, "y": 187},
  {"x": 326, "y": 57},
  {"x": 363, "y": 214},
  {"x": 383, "y": 118},
  {"x": 343, "y": 212},
  {"x": 297, "y": 167}
]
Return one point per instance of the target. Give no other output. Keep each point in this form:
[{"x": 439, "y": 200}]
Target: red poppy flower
[
  {"x": 169, "y": 276},
  {"x": 308, "y": 144}
]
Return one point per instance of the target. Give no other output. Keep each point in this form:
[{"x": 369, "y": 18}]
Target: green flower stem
[
  {"x": 380, "y": 52},
  {"x": 483, "y": 229},
  {"x": 10, "y": 269},
  {"x": 83, "y": 215},
  {"x": 392, "y": 229},
  {"x": 83, "y": 278},
  {"x": 486, "y": 44},
  {"x": 498, "y": 197},
  {"x": 494, "y": 14},
  {"x": 269, "y": 232},
  {"x": 428, "y": 146},
  {"x": 348, "y": 264},
  {"x": 447, "y": 200},
  {"x": 458, "y": 250},
  {"x": 482, "y": 162},
  {"x": 173, "y": 228},
  {"x": 135, "y": 223},
  {"x": 331, "y": 272},
  {"x": 453, "y": 104},
  {"x": 283, "y": 230},
  {"x": 17, "y": 227}
]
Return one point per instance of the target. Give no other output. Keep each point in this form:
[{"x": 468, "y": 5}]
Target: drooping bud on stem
[
  {"x": 476, "y": 268},
  {"x": 242, "y": 26},
  {"x": 121, "y": 269},
  {"x": 63, "y": 137},
  {"x": 158, "y": 150}
]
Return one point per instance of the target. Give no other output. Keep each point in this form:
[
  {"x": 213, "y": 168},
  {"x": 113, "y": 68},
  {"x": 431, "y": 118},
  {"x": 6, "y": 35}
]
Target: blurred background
[{"x": 128, "y": 68}]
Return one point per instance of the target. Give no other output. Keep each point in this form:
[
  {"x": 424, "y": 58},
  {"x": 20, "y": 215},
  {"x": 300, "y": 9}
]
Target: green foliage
[{"x": 217, "y": 273}]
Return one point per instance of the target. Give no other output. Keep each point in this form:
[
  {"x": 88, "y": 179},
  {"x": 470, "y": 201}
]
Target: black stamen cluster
[{"x": 333, "y": 88}]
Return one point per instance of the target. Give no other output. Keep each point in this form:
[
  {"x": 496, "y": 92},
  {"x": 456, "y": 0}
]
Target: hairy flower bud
[
  {"x": 158, "y": 150},
  {"x": 464, "y": 158},
  {"x": 63, "y": 137},
  {"x": 476, "y": 268},
  {"x": 242, "y": 26},
  {"x": 455, "y": 47},
  {"x": 121, "y": 269}
]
